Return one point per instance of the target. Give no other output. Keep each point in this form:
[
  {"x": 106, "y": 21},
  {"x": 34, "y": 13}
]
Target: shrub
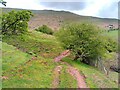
[
  {"x": 84, "y": 40},
  {"x": 45, "y": 29}
]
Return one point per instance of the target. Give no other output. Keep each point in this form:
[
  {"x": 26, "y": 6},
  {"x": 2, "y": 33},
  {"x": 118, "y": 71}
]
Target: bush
[
  {"x": 84, "y": 40},
  {"x": 45, "y": 29}
]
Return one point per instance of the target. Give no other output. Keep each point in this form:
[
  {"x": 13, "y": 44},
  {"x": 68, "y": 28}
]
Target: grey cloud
[
  {"x": 65, "y": 5},
  {"x": 111, "y": 11}
]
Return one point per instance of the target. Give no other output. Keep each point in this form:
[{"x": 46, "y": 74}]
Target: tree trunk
[{"x": 76, "y": 57}]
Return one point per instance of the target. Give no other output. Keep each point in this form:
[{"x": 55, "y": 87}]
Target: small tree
[
  {"x": 84, "y": 40},
  {"x": 15, "y": 22}
]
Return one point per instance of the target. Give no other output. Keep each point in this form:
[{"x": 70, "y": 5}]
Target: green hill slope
[
  {"x": 28, "y": 63},
  {"x": 12, "y": 55}
]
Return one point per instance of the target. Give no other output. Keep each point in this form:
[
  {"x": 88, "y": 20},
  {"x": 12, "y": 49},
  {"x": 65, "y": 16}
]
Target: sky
[{"x": 96, "y": 8}]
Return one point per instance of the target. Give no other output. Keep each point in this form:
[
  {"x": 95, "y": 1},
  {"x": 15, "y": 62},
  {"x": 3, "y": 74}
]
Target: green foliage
[
  {"x": 3, "y": 2},
  {"x": 110, "y": 44},
  {"x": 83, "y": 39},
  {"x": 15, "y": 22},
  {"x": 111, "y": 41},
  {"x": 45, "y": 29}
]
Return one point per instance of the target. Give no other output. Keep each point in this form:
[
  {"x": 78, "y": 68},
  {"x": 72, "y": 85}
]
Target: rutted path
[
  {"x": 71, "y": 70},
  {"x": 56, "y": 74},
  {"x": 80, "y": 79}
]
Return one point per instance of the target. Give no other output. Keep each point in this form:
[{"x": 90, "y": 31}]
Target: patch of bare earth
[
  {"x": 62, "y": 55},
  {"x": 4, "y": 77}
]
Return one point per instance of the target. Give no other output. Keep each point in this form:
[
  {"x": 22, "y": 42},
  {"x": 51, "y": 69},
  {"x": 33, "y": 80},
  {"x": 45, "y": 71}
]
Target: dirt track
[
  {"x": 71, "y": 70},
  {"x": 80, "y": 79}
]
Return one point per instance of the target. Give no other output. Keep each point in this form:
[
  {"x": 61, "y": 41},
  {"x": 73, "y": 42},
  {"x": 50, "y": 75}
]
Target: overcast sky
[{"x": 97, "y": 8}]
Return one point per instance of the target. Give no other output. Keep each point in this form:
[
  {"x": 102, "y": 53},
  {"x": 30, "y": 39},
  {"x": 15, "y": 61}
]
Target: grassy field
[
  {"x": 34, "y": 74},
  {"x": 28, "y": 63},
  {"x": 112, "y": 34}
]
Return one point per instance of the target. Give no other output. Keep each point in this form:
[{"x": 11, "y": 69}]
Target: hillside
[
  {"x": 55, "y": 19},
  {"x": 34, "y": 59},
  {"x": 34, "y": 66}
]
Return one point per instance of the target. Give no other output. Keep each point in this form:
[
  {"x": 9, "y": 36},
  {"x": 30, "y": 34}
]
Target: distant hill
[{"x": 55, "y": 19}]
